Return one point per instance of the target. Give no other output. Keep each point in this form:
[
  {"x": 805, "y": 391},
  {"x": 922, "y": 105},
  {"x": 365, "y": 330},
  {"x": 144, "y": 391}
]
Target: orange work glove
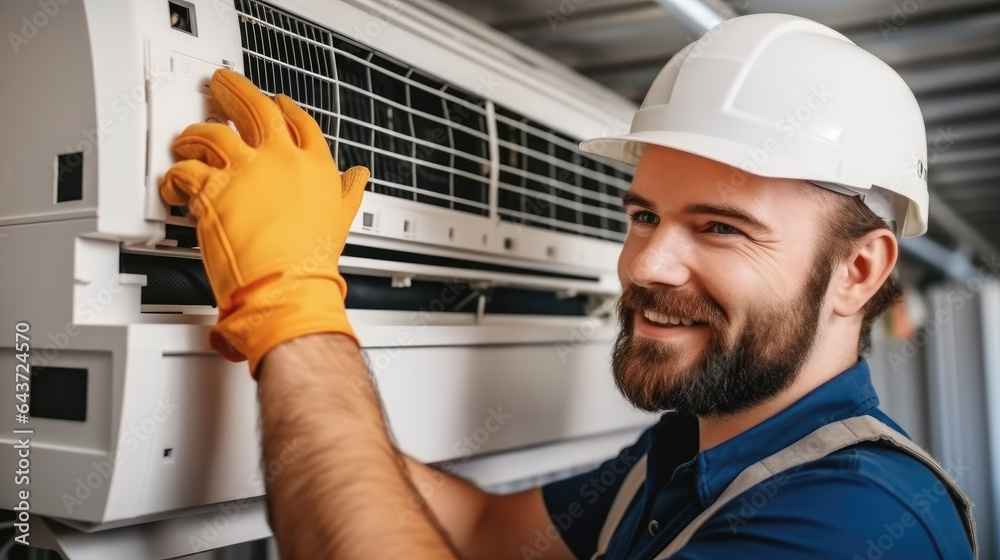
[{"x": 273, "y": 214}]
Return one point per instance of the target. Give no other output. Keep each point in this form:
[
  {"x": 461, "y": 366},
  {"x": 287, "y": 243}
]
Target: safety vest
[{"x": 820, "y": 443}]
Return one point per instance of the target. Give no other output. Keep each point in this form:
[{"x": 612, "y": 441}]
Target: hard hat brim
[{"x": 628, "y": 149}]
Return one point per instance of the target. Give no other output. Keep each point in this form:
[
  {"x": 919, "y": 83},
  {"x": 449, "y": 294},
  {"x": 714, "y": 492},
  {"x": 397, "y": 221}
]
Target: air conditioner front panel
[{"x": 478, "y": 186}]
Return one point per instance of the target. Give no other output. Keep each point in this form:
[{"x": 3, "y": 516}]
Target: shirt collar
[{"x": 847, "y": 395}]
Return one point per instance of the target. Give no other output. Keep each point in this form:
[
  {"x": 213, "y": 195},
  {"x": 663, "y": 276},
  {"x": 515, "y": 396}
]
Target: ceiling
[{"x": 948, "y": 51}]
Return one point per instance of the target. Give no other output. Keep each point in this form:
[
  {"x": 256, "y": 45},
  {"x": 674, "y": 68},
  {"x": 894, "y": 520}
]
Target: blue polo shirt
[{"x": 865, "y": 502}]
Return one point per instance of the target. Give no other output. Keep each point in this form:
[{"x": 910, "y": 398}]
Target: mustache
[{"x": 669, "y": 301}]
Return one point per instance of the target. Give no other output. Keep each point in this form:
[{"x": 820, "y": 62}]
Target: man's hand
[{"x": 273, "y": 214}]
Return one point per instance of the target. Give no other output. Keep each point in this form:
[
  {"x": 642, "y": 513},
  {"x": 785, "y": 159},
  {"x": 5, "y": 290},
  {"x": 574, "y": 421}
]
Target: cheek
[
  {"x": 768, "y": 276},
  {"x": 741, "y": 285},
  {"x": 737, "y": 285}
]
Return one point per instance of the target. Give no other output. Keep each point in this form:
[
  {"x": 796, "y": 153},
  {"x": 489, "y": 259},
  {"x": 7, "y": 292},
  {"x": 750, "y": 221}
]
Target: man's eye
[
  {"x": 643, "y": 217},
  {"x": 724, "y": 229}
]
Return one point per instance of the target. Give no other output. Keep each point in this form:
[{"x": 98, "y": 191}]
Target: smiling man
[
  {"x": 777, "y": 166},
  {"x": 745, "y": 317},
  {"x": 721, "y": 309}
]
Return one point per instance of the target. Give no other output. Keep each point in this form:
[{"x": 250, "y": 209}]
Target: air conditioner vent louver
[
  {"x": 426, "y": 140},
  {"x": 546, "y": 181}
]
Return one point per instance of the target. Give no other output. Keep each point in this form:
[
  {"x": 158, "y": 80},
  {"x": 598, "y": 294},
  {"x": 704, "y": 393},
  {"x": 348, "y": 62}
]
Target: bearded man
[{"x": 778, "y": 164}]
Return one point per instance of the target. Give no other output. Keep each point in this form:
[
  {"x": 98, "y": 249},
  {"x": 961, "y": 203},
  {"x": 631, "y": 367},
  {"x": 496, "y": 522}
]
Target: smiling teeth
[{"x": 665, "y": 319}]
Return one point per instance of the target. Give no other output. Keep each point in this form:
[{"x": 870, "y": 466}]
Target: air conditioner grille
[
  {"x": 426, "y": 140},
  {"x": 545, "y": 180}
]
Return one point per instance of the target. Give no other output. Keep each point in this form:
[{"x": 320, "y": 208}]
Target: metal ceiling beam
[
  {"x": 942, "y": 215},
  {"x": 947, "y": 135},
  {"x": 849, "y": 16},
  {"x": 952, "y": 76},
  {"x": 923, "y": 41},
  {"x": 959, "y": 193},
  {"x": 963, "y": 156},
  {"x": 648, "y": 60},
  {"x": 957, "y": 265},
  {"x": 528, "y": 15},
  {"x": 957, "y": 106},
  {"x": 583, "y": 21},
  {"x": 977, "y": 213},
  {"x": 965, "y": 173}
]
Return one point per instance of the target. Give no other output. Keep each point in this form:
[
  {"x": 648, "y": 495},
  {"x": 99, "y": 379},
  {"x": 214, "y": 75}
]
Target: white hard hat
[{"x": 785, "y": 97}]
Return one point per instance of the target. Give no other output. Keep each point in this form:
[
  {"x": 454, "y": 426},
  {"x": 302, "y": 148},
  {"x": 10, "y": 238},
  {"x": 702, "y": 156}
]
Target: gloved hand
[{"x": 273, "y": 214}]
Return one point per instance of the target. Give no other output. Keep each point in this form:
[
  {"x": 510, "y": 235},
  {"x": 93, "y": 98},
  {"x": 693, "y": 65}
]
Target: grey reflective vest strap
[
  {"x": 628, "y": 489},
  {"x": 820, "y": 443}
]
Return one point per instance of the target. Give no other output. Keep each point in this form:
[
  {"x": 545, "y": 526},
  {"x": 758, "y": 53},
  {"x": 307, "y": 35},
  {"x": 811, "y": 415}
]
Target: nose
[{"x": 660, "y": 259}]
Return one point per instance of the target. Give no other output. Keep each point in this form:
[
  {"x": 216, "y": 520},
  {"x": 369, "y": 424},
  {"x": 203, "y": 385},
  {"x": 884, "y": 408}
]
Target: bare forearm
[
  {"x": 456, "y": 503},
  {"x": 339, "y": 496},
  {"x": 482, "y": 525}
]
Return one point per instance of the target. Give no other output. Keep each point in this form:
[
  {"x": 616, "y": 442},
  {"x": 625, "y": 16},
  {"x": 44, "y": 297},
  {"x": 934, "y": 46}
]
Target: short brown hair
[{"x": 850, "y": 220}]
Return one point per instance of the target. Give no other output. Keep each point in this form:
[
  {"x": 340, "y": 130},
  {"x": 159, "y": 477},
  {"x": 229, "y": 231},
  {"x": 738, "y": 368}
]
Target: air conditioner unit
[{"x": 481, "y": 267}]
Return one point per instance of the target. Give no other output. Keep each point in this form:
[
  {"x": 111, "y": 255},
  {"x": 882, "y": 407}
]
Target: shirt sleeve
[
  {"x": 578, "y": 505},
  {"x": 823, "y": 513}
]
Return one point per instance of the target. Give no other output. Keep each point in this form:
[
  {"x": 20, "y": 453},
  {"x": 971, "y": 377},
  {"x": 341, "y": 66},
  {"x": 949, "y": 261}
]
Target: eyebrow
[
  {"x": 630, "y": 198},
  {"x": 724, "y": 210},
  {"x": 728, "y": 211}
]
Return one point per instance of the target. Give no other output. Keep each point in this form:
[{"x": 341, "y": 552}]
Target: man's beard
[{"x": 736, "y": 372}]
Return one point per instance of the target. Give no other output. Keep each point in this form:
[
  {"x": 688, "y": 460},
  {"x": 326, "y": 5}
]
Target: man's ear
[{"x": 864, "y": 271}]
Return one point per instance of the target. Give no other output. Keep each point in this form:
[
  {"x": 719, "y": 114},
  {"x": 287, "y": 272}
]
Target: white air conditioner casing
[{"x": 168, "y": 426}]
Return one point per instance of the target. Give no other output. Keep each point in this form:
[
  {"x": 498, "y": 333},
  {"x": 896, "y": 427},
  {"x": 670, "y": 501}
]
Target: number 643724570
[{"x": 22, "y": 347}]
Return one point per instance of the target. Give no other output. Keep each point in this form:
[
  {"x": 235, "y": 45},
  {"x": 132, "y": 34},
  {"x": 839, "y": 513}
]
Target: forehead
[{"x": 672, "y": 180}]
